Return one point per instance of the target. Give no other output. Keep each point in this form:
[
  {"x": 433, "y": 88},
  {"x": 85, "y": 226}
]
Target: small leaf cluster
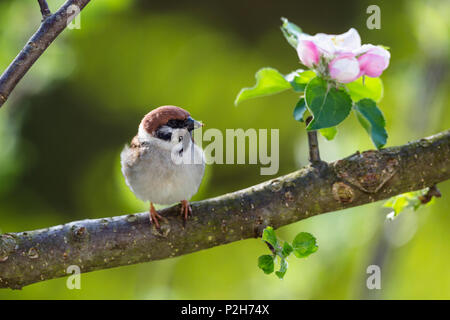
[
  {"x": 303, "y": 245},
  {"x": 328, "y": 102},
  {"x": 408, "y": 200}
]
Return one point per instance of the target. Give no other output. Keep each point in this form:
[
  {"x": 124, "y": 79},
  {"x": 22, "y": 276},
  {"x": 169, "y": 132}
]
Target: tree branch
[
  {"x": 313, "y": 144},
  {"x": 45, "y": 10},
  {"x": 29, "y": 257},
  {"x": 50, "y": 28}
]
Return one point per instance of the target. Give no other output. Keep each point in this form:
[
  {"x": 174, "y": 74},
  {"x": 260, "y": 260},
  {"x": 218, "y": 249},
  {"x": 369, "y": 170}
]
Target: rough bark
[
  {"x": 29, "y": 257},
  {"x": 51, "y": 27}
]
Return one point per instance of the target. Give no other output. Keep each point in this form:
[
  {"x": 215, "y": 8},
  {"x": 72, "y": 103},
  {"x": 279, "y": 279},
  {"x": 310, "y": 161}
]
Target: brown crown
[{"x": 160, "y": 116}]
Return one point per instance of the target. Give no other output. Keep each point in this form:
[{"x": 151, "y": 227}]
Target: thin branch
[
  {"x": 50, "y": 28},
  {"x": 433, "y": 191},
  {"x": 29, "y": 257},
  {"x": 313, "y": 143},
  {"x": 271, "y": 248},
  {"x": 45, "y": 10}
]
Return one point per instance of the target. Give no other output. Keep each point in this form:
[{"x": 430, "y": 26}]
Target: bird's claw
[
  {"x": 186, "y": 209},
  {"x": 154, "y": 216}
]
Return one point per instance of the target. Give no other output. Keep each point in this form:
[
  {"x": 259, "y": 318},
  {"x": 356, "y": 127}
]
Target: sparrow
[{"x": 162, "y": 164}]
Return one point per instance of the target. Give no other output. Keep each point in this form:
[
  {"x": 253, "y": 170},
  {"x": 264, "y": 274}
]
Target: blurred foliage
[
  {"x": 64, "y": 126},
  {"x": 409, "y": 200}
]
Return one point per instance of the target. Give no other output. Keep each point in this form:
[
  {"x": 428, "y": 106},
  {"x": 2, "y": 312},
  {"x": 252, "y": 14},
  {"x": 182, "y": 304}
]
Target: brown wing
[
  {"x": 130, "y": 154},
  {"x": 135, "y": 142}
]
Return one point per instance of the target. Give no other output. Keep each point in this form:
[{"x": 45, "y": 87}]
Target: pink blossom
[
  {"x": 343, "y": 55},
  {"x": 344, "y": 68},
  {"x": 308, "y": 53},
  {"x": 329, "y": 45},
  {"x": 374, "y": 61}
]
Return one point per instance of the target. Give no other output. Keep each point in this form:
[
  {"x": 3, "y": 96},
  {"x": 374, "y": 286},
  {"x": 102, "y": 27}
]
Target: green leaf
[
  {"x": 287, "y": 250},
  {"x": 328, "y": 133},
  {"x": 299, "y": 110},
  {"x": 372, "y": 119},
  {"x": 365, "y": 87},
  {"x": 304, "y": 244},
  {"x": 283, "y": 268},
  {"x": 291, "y": 32},
  {"x": 329, "y": 106},
  {"x": 399, "y": 204},
  {"x": 268, "y": 81},
  {"x": 408, "y": 200},
  {"x": 300, "y": 78},
  {"x": 270, "y": 237},
  {"x": 265, "y": 263}
]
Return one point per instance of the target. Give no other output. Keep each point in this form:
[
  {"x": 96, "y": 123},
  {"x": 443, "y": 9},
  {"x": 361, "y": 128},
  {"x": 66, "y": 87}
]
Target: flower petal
[
  {"x": 363, "y": 49},
  {"x": 324, "y": 44},
  {"x": 308, "y": 53},
  {"x": 347, "y": 41},
  {"x": 374, "y": 61},
  {"x": 344, "y": 68}
]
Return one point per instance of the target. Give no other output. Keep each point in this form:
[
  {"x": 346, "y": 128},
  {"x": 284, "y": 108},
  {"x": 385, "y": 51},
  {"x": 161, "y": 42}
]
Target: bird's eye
[
  {"x": 164, "y": 135},
  {"x": 180, "y": 138}
]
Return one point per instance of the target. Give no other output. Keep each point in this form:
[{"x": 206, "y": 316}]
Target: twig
[
  {"x": 50, "y": 28},
  {"x": 313, "y": 143},
  {"x": 433, "y": 191},
  {"x": 271, "y": 248},
  {"x": 39, "y": 255},
  {"x": 44, "y": 9}
]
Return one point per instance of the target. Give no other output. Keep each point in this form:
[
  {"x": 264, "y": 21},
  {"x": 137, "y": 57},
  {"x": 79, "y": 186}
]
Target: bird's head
[{"x": 169, "y": 125}]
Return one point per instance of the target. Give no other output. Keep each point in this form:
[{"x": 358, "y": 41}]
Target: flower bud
[
  {"x": 374, "y": 61},
  {"x": 344, "y": 68},
  {"x": 308, "y": 53}
]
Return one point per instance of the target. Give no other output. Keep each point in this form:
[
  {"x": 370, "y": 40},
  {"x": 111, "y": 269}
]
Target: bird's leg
[
  {"x": 154, "y": 216},
  {"x": 186, "y": 209}
]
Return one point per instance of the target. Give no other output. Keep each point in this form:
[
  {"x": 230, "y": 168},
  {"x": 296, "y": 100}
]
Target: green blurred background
[{"x": 64, "y": 126}]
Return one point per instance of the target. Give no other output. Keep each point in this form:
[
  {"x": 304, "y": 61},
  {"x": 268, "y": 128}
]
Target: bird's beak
[{"x": 194, "y": 124}]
